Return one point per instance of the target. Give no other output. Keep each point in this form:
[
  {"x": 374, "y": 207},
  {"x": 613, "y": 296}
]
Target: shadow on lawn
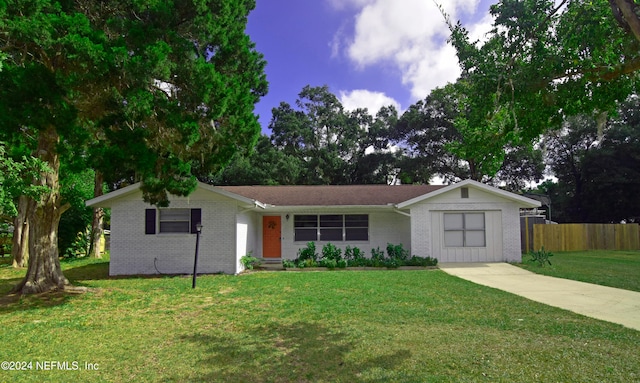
[
  {"x": 90, "y": 272},
  {"x": 17, "y": 302},
  {"x": 302, "y": 352},
  {"x": 75, "y": 275}
]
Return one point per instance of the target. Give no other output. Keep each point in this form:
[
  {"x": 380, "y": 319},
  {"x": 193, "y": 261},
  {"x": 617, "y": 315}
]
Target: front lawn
[
  {"x": 619, "y": 269},
  {"x": 337, "y": 326}
]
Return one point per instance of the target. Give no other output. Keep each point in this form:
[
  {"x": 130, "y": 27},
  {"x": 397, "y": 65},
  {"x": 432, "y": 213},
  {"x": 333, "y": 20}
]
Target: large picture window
[
  {"x": 331, "y": 227},
  {"x": 464, "y": 230}
]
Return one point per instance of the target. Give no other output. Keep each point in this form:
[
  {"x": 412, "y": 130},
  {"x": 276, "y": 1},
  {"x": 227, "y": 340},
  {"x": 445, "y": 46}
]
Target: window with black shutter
[{"x": 172, "y": 220}]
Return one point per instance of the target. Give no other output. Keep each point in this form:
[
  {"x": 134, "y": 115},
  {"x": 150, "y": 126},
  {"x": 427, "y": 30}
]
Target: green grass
[
  {"x": 339, "y": 326},
  {"x": 619, "y": 269}
]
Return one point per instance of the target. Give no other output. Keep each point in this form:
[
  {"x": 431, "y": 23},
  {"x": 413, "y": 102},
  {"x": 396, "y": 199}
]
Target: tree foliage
[
  {"x": 16, "y": 179},
  {"x": 163, "y": 89},
  {"x": 598, "y": 171},
  {"x": 332, "y": 145},
  {"x": 264, "y": 165},
  {"x": 543, "y": 60},
  {"x": 437, "y": 141},
  {"x": 76, "y": 188}
]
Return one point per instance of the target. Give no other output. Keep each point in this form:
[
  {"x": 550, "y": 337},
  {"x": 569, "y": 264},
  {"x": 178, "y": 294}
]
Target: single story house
[{"x": 464, "y": 222}]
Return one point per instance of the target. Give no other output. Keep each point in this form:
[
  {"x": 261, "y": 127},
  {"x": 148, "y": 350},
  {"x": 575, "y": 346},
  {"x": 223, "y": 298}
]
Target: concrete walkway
[{"x": 601, "y": 302}]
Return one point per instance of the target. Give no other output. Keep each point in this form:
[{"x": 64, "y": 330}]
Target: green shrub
[
  {"x": 377, "y": 254},
  {"x": 541, "y": 257},
  {"x": 288, "y": 263},
  {"x": 397, "y": 252},
  {"x": 358, "y": 262},
  {"x": 420, "y": 261},
  {"x": 353, "y": 253},
  {"x": 331, "y": 252},
  {"x": 307, "y": 263},
  {"x": 249, "y": 261},
  {"x": 391, "y": 263},
  {"x": 308, "y": 252},
  {"x": 342, "y": 264},
  {"x": 328, "y": 263}
]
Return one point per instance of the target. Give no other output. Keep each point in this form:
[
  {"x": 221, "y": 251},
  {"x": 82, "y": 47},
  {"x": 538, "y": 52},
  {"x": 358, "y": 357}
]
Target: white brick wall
[
  {"x": 511, "y": 238},
  {"x": 384, "y": 227},
  {"x": 133, "y": 252}
]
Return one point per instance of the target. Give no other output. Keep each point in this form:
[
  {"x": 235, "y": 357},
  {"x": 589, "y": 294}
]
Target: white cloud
[
  {"x": 411, "y": 36},
  {"x": 362, "y": 98},
  {"x": 479, "y": 30}
]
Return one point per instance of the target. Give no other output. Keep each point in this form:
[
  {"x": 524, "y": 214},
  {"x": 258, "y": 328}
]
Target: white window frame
[
  {"x": 331, "y": 224},
  {"x": 171, "y": 216},
  {"x": 467, "y": 229}
]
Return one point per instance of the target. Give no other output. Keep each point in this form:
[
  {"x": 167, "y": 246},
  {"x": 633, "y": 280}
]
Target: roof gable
[
  {"x": 107, "y": 199},
  {"x": 520, "y": 200}
]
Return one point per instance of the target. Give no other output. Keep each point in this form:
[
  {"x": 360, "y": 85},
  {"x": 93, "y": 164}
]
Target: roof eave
[
  {"x": 105, "y": 200},
  {"x": 287, "y": 208},
  {"x": 231, "y": 195}
]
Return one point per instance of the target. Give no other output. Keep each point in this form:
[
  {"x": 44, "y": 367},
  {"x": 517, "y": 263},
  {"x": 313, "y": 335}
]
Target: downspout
[
  {"x": 256, "y": 204},
  {"x": 402, "y": 212}
]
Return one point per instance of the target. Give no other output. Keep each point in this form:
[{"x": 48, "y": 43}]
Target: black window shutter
[
  {"x": 196, "y": 218},
  {"x": 150, "y": 221}
]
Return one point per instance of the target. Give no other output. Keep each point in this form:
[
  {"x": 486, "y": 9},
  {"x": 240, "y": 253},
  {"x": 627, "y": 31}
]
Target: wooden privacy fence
[
  {"x": 586, "y": 236},
  {"x": 526, "y": 231}
]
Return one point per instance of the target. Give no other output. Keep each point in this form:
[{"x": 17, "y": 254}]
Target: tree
[
  {"x": 264, "y": 165},
  {"x": 597, "y": 170},
  {"x": 544, "y": 61},
  {"x": 97, "y": 219},
  {"x": 75, "y": 188},
  {"x": 335, "y": 146},
  {"x": 566, "y": 150},
  {"x": 17, "y": 170},
  {"x": 626, "y": 13},
  {"x": 167, "y": 88},
  {"x": 438, "y": 141}
]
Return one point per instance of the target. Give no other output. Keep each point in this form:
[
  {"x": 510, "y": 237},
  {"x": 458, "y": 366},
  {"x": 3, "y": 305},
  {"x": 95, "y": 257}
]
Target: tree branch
[{"x": 624, "y": 13}]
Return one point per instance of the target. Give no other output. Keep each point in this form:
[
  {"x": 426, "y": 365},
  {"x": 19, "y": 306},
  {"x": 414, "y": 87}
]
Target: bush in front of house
[
  {"x": 397, "y": 252},
  {"x": 395, "y": 256},
  {"x": 249, "y": 261},
  {"x": 308, "y": 253}
]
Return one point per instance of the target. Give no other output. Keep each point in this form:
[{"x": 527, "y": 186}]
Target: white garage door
[{"x": 467, "y": 236}]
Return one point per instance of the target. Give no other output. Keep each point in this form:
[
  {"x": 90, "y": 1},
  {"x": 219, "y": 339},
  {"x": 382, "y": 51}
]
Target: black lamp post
[{"x": 195, "y": 261}]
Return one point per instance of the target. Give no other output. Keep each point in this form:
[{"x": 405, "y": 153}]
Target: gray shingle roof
[{"x": 332, "y": 195}]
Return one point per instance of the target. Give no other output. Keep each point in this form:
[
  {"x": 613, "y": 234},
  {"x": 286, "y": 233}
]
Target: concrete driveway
[{"x": 601, "y": 302}]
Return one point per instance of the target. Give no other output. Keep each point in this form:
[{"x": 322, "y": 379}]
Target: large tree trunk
[
  {"x": 20, "y": 241},
  {"x": 44, "y": 273},
  {"x": 98, "y": 215}
]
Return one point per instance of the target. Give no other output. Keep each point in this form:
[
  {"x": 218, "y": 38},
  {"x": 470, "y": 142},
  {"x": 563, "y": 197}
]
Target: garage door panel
[{"x": 492, "y": 238}]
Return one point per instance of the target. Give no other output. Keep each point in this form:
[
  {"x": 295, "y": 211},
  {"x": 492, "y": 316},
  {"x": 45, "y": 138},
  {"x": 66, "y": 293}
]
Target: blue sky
[{"x": 370, "y": 53}]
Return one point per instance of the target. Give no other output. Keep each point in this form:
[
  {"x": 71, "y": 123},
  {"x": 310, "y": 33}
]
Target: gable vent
[{"x": 464, "y": 192}]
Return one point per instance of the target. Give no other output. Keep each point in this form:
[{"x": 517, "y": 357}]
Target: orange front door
[{"x": 271, "y": 237}]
